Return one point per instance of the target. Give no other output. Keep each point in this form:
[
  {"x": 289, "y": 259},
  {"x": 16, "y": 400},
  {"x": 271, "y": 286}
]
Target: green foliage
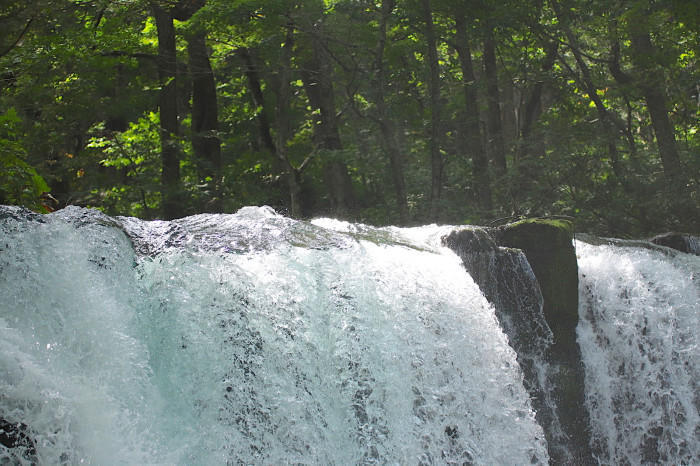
[
  {"x": 19, "y": 182},
  {"x": 82, "y": 85},
  {"x": 135, "y": 154}
]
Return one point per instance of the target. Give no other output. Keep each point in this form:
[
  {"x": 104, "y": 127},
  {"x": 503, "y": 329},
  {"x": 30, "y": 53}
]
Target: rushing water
[
  {"x": 250, "y": 338},
  {"x": 256, "y": 339},
  {"x": 638, "y": 331}
]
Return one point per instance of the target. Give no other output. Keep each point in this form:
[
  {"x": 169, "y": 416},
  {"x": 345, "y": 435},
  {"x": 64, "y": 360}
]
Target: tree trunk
[
  {"x": 255, "y": 88},
  {"x": 316, "y": 77},
  {"x": 679, "y": 197},
  {"x": 533, "y": 105},
  {"x": 434, "y": 89},
  {"x": 651, "y": 87},
  {"x": 167, "y": 103},
  {"x": 283, "y": 121},
  {"x": 205, "y": 119},
  {"x": 509, "y": 111},
  {"x": 386, "y": 126},
  {"x": 531, "y": 144},
  {"x": 474, "y": 142},
  {"x": 495, "y": 126},
  {"x": 625, "y": 81}
]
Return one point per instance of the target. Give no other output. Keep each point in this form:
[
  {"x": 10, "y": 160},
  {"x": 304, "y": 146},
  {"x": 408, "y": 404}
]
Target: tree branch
[
  {"x": 19, "y": 38},
  {"x": 121, "y": 53}
]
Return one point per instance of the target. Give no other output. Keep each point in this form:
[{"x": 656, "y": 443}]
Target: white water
[
  {"x": 251, "y": 338},
  {"x": 638, "y": 331}
]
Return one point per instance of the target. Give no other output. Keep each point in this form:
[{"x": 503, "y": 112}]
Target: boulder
[
  {"x": 679, "y": 241},
  {"x": 549, "y": 249},
  {"x": 548, "y": 246}
]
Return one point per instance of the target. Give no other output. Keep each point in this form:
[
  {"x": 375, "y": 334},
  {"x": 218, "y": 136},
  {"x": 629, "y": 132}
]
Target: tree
[
  {"x": 383, "y": 118},
  {"x": 317, "y": 74},
  {"x": 167, "y": 103},
  {"x": 250, "y": 69},
  {"x": 283, "y": 118},
  {"x": 206, "y": 144},
  {"x": 607, "y": 124},
  {"x": 495, "y": 126},
  {"x": 643, "y": 53},
  {"x": 436, "y": 162},
  {"x": 19, "y": 181},
  {"x": 474, "y": 142},
  {"x": 380, "y": 111},
  {"x": 164, "y": 14}
]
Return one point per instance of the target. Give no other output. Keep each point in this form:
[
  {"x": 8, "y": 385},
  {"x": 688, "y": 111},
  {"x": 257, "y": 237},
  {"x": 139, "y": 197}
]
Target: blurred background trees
[{"x": 385, "y": 111}]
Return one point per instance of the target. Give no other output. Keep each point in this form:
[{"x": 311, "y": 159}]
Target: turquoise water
[
  {"x": 251, "y": 339},
  {"x": 256, "y": 339}
]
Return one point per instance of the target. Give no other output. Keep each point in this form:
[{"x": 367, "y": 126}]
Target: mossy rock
[
  {"x": 533, "y": 232},
  {"x": 548, "y": 245}
]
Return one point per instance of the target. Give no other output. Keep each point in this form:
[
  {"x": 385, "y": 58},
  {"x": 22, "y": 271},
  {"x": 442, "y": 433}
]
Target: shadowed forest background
[{"x": 384, "y": 112}]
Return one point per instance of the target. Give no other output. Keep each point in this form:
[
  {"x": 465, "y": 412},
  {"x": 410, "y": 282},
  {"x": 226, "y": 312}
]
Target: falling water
[
  {"x": 250, "y": 338},
  {"x": 253, "y": 338},
  {"x": 638, "y": 332}
]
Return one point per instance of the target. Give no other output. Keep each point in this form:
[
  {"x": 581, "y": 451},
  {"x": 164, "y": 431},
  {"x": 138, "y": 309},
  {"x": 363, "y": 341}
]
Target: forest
[{"x": 384, "y": 112}]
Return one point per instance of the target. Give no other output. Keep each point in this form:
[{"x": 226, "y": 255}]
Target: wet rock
[
  {"x": 16, "y": 436},
  {"x": 549, "y": 249},
  {"x": 502, "y": 261},
  {"x": 548, "y": 246},
  {"x": 679, "y": 241}
]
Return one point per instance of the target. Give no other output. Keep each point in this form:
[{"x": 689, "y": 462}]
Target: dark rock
[
  {"x": 549, "y": 249},
  {"x": 452, "y": 432},
  {"x": 16, "y": 435},
  {"x": 679, "y": 241},
  {"x": 502, "y": 261},
  {"x": 548, "y": 245},
  {"x": 479, "y": 253},
  {"x": 506, "y": 280}
]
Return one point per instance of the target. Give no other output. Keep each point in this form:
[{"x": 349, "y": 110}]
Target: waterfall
[
  {"x": 257, "y": 339},
  {"x": 250, "y": 339},
  {"x": 638, "y": 331}
]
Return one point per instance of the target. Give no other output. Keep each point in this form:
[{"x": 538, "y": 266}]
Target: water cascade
[
  {"x": 250, "y": 338},
  {"x": 638, "y": 330},
  {"x": 257, "y": 339}
]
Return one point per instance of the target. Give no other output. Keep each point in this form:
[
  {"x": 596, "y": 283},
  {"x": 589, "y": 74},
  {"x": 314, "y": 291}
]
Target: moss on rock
[{"x": 548, "y": 245}]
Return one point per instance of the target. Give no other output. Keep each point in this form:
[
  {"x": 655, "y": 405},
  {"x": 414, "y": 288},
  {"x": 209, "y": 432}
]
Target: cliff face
[{"x": 548, "y": 246}]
